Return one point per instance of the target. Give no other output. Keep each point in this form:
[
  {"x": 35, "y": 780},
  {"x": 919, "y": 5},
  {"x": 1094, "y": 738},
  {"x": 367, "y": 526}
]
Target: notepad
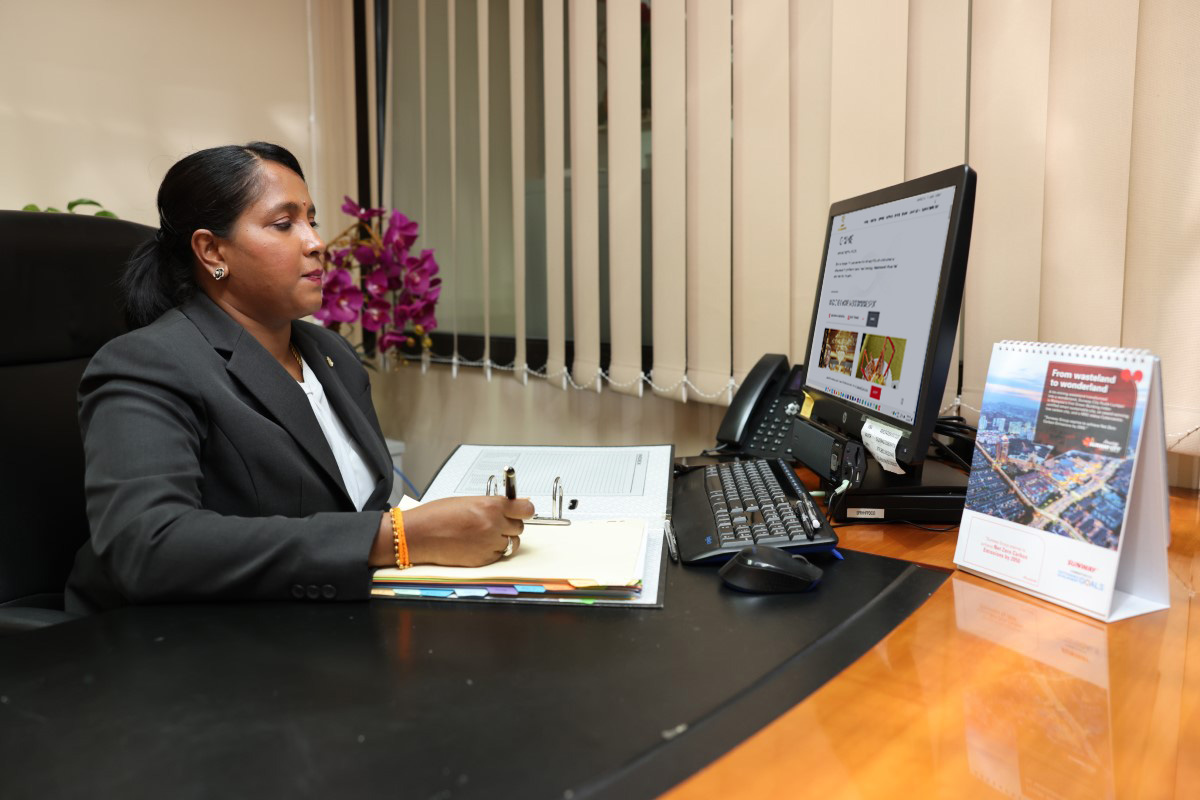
[{"x": 588, "y": 554}]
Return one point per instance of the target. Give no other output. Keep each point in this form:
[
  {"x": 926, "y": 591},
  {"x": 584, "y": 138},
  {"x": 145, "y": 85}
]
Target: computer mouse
[{"x": 761, "y": 568}]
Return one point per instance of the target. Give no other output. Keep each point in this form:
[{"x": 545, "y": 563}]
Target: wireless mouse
[{"x": 760, "y": 568}]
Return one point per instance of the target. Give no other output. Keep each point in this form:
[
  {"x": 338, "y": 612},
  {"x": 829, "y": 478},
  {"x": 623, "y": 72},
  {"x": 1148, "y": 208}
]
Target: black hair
[{"x": 208, "y": 189}]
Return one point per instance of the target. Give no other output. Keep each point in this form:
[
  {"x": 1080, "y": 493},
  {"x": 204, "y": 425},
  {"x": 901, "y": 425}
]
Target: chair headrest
[{"x": 60, "y": 274}]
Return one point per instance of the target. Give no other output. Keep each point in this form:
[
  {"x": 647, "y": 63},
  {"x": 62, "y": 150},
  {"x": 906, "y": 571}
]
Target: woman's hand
[{"x": 457, "y": 531}]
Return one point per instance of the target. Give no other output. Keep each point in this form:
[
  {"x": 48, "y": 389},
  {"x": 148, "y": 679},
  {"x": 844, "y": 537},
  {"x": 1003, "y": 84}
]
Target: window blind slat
[
  {"x": 1164, "y": 194},
  {"x": 453, "y": 271},
  {"x": 939, "y": 33},
  {"x": 1091, "y": 82},
  {"x": 668, "y": 194},
  {"x": 552, "y": 77},
  {"x": 485, "y": 231},
  {"x": 709, "y": 162},
  {"x": 761, "y": 213},
  {"x": 867, "y": 110},
  {"x": 811, "y": 64},
  {"x": 625, "y": 194},
  {"x": 585, "y": 194},
  {"x": 516, "y": 71},
  {"x": 1010, "y": 64}
]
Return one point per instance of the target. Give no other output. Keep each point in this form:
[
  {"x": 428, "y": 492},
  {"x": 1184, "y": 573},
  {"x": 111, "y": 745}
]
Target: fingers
[
  {"x": 510, "y": 546},
  {"x": 520, "y": 508}
]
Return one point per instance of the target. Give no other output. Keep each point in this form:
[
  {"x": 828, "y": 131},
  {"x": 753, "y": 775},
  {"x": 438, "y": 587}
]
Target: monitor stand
[{"x": 932, "y": 492}]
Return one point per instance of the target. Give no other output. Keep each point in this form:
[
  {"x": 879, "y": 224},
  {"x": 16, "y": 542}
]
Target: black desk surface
[{"x": 426, "y": 699}]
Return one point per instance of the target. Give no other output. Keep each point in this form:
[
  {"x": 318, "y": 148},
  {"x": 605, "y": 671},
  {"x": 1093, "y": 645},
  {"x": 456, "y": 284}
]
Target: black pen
[
  {"x": 510, "y": 483},
  {"x": 811, "y": 507}
]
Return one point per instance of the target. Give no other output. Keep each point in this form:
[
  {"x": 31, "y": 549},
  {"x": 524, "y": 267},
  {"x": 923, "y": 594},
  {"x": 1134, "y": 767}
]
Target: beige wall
[
  {"x": 433, "y": 413},
  {"x": 99, "y": 99}
]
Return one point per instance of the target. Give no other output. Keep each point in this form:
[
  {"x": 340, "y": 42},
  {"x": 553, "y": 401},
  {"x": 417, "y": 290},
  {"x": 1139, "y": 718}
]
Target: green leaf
[
  {"x": 30, "y": 207},
  {"x": 83, "y": 201},
  {"x": 55, "y": 210},
  {"x": 106, "y": 214}
]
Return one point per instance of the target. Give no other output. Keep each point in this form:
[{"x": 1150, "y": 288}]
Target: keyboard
[{"x": 720, "y": 508}]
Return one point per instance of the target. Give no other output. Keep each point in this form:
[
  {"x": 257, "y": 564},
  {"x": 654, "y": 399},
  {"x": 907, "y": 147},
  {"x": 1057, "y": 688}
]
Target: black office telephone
[
  {"x": 759, "y": 420},
  {"x": 764, "y": 421}
]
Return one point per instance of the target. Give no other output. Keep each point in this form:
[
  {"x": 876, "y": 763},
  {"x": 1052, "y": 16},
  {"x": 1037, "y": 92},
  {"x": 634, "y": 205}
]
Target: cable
[
  {"x": 415, "y": 492},
  {"x": 831, "y": 500},
  {"x": 950, "y": 454}
]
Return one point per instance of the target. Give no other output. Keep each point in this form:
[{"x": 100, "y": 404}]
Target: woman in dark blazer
[{"x": 232, "y": 451}]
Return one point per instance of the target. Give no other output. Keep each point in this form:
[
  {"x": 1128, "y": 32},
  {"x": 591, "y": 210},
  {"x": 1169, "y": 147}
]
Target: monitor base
[{"x": 934, "y": 493}]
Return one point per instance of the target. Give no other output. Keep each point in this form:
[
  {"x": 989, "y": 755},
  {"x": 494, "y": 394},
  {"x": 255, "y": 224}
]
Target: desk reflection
[{"x": 1044, "y": 725}]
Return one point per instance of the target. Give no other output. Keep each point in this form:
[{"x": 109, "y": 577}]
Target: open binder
[
  {"x": 1067, "y": 498},
  {"x": 616, "y": 499}
]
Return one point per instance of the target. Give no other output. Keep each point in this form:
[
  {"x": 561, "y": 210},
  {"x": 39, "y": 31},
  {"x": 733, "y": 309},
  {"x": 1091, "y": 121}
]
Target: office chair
[{"x": 59, "y": 273}]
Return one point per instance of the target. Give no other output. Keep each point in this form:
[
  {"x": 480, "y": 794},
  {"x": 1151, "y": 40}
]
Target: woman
[{"x": 232, "y": 451}]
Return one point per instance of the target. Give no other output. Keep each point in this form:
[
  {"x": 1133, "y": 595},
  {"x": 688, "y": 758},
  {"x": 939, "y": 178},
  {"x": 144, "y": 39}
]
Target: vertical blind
[{"x": 565, "y": 207}]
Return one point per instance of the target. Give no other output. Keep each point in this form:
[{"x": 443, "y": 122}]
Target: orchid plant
[{"x": 401, "y": 288}]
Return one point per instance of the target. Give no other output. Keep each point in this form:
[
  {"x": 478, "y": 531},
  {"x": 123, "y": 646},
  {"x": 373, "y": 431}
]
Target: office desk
[
  {"x": 981, "y": 692},
  {"x": 425, "y": 699},
  {"x": 987, "y": 692}
]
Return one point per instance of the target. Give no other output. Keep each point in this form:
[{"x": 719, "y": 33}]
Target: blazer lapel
[
  {"x": 370, "y": 443},
  {"x": 262, "y": 376}
]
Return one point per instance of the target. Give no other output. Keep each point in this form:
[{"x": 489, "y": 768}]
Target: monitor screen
[{"x": 887, "y": 307}]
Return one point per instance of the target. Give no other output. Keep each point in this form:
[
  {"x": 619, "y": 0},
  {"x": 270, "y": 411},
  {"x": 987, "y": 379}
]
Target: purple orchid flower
[
  {"x": 341, "y": 299},
  {"x": 355, "y": 210},
  {"x": 375, "y": 315},
  {"x": 376, "y": 283},
  {"x": 338, "y": 255},
  {"x": 401, "y": 230},
  {"x": 365, "y": 254},
  {"x": 335, "y": 280},
  {"x": 392, "y": 339}
]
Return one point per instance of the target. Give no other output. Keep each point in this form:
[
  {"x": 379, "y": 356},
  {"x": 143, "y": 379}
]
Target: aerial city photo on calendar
[{"x": 1056, "y": 443}]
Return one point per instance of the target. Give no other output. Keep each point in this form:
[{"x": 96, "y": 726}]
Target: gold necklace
[{"x": 299, "y": 361}]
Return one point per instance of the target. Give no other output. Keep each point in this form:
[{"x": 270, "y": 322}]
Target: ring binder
[{"x": 556, "y": 500}]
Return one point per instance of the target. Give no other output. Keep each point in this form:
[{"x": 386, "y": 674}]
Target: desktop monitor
[{"x": 882, "y": 335}]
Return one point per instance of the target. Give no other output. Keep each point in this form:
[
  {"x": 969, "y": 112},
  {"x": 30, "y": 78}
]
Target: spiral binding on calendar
[{"x": 1103, "y": 352}]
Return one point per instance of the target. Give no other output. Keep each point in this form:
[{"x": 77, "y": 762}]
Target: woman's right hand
[{"x": 463, "y": 531}]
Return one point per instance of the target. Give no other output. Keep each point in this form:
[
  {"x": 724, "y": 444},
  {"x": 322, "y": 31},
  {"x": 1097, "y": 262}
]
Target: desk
[
  {"x": 425, "y": 699},
  {"x": 981, "y": 692},
  {"x": 987, "y": 692}
]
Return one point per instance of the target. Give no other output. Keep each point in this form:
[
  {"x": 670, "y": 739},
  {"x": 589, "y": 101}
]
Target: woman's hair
[{"x": 208, "y": 189}]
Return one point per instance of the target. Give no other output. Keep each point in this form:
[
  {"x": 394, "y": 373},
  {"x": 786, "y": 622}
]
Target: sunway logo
[{"x": 1077, "y": 565}]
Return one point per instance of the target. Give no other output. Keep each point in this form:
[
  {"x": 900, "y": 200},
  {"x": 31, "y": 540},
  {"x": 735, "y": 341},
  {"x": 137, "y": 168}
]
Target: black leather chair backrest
[{"x": 59, "y": 273}]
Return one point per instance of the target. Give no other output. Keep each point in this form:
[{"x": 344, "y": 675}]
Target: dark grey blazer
[{"x": 207, "y": 474}]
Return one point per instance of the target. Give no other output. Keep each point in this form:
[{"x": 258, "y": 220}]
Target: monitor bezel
[{"x": 847, "y": 416}]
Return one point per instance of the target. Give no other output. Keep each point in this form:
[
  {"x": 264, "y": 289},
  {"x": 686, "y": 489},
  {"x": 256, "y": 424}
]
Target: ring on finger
[{"x": 508, "y": 548}]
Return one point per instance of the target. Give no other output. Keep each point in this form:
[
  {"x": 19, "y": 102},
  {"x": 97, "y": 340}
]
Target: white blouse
[{"x": 356, "y": 475}]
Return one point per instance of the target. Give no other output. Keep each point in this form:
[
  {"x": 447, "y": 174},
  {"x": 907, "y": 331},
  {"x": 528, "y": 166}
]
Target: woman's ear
[{"x": 208, "y": 251}]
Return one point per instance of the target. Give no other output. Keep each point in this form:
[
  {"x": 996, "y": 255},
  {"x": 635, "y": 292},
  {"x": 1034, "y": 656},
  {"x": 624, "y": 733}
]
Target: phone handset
[{"x": 770, "y": 369}]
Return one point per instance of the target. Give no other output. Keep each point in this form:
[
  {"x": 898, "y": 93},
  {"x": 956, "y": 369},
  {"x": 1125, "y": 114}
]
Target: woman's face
[{"x": 273, "y": 253}]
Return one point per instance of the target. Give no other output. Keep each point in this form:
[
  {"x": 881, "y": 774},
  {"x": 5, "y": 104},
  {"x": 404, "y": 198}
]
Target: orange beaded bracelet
[{"x": 399, "y": 541}]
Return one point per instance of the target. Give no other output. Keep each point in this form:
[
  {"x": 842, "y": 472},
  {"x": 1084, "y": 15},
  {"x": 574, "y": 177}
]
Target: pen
[
  {"x": 669, "y": 535},
  {"x": 812, "y": 513},
  {"x": 510, "y": 483}
]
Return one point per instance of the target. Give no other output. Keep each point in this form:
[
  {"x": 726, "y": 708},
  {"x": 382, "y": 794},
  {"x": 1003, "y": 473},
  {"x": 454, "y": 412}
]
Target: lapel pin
[{"x": 329, "y": 361}]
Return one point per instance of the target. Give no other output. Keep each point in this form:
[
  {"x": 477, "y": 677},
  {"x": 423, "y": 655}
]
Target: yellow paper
[{"x": 586, "y": 552}]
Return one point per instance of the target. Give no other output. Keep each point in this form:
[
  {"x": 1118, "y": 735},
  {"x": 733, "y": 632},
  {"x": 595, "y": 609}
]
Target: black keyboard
[{"x": 720, "y": 508}]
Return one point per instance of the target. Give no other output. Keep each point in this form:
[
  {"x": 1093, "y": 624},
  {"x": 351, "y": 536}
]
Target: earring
[{"x": 218, "y": 273}]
